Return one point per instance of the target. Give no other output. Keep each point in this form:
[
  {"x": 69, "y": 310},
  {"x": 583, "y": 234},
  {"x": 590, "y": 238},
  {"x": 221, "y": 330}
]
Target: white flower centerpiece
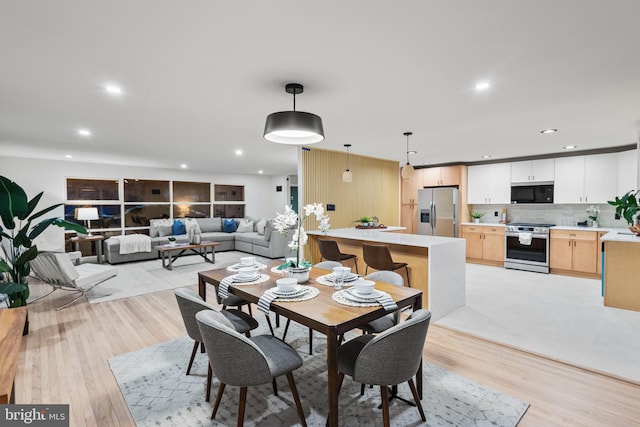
[
  {"x": 594, "y": 213},
  {"x": 297, "y": 267}
]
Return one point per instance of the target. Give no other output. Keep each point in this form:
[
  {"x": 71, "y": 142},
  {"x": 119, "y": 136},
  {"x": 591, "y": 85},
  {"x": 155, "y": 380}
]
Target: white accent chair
[{"x": 56, "y": 269}]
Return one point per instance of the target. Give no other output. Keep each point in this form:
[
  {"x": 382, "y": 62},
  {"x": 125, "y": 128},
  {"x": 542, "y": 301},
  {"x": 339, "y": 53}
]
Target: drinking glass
[{"x": 338, "y": 276}]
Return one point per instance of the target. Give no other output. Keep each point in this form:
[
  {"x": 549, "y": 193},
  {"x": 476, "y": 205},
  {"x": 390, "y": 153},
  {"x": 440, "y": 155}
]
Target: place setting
[
  {"x": 364, "y": 294},
  {"x": 246, "y": 262},
  {"x": 243, "y": 276},
  {"x": 339, "y": 275},
  {"x": 287, "y": 290}
]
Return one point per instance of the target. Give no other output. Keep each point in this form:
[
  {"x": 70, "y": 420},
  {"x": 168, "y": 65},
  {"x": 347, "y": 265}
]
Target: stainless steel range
[{"x": 527, "y": 247}]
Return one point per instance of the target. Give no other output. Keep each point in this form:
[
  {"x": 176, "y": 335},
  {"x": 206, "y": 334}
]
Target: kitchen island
[
  {"x": 620, "y": 278},
  {"x": 436, "y": 264}
]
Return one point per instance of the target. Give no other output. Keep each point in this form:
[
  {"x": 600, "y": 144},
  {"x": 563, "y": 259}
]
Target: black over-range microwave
[{"x": 532, "y": 193}]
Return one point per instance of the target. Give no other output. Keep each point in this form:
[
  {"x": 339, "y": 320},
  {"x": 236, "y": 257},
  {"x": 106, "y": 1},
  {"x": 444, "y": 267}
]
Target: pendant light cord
[{"x": 407, "y": 148}]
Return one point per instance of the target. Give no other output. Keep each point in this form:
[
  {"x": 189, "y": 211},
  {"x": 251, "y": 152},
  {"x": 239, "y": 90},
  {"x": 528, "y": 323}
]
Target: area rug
[
  {"x": 143, "y": 277},
  {"x": 158, "y": 393}
]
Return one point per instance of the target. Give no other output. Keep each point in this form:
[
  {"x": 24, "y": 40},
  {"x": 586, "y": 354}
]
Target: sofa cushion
[
  {"x": 260, "y": 226},
  {"x": 245, "y": 226},
  {"x": 165, "y": 230},
  {"x": 154, "y": 223},
  {"x": 190, "y": 223},
  {"x": 210, "y": 224},
  {"x": 178, "y": 227},
  {"x": 229, "y": 225}
]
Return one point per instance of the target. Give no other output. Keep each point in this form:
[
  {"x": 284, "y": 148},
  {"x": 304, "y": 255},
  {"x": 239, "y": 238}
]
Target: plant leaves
[
  {"x": 44, "y": 211},
  {"x": 13, "y": 202},
  {"x": 31, "y": 206}
]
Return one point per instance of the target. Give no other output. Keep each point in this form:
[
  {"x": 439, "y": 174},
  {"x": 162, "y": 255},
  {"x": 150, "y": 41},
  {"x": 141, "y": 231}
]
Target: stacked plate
[
  {"x": 245, "y": 279},
  {"x": 350, "y": 277},
  {"x": 241, "y": 265},
  {"x": 352, "y": 295},
  {"x": 295, "y": 293}
]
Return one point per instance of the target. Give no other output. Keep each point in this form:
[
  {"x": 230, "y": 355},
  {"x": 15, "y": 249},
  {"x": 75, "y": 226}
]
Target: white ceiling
[{"x": 201, "y": 76}]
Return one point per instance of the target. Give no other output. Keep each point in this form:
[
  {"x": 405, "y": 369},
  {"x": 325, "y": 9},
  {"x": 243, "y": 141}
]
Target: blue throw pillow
[
  {"x": 229, "y": 225},
  {"x": 178, "y": 227}
]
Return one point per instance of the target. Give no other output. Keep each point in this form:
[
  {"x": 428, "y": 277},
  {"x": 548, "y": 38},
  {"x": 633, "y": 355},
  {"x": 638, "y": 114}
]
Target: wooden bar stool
[
  {"x": 330, "y": 251},
  {"x": 379, "y": 257}
]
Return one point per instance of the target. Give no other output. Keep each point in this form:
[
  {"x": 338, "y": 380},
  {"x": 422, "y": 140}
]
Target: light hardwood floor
[{"x": 64, "y": 360}]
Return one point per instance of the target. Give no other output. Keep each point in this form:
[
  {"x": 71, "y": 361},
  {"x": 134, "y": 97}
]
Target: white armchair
[{"x": 57, "y": 269}]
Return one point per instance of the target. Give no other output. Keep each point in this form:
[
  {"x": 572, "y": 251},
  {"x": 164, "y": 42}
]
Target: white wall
[{"x": 35, "y": 175}]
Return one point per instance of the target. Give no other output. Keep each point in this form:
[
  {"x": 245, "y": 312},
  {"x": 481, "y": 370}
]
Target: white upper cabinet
[
  {"x": 533, "y": 171},
  {"x": 489, "y": 184},
  {"x": 586, "y": 179},
  {"x": 627, "y": 171}
]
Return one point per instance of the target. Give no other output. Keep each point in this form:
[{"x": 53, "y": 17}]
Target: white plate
[
  {"x": 355, "y": 296},
  {"x": 350, "y": 277},
  {"x": 239, "y": 279},
  {"x": 293, "y": 294},
  {"x": 240, "y": 265}
]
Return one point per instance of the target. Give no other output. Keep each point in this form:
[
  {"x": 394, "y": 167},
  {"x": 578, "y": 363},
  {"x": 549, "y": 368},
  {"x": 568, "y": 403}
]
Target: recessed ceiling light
[
  {"x": 569, "y": 147},
  {"x": 183, "y": 166},
  {"x": 238, "y": 152},
  {"x": 485, "y": 157},
  {"x": 68, "y": 156},
  {"x": 113, "y": 89},
  {"x": 549, "y": 131},
  {"x": 481, "y": 86},
  {"x": 84, "y": 132},
  {"x": 412, "y": 152},
  {"x": 260, "y": 171}
]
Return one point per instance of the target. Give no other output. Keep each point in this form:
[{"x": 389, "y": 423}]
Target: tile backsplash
[{"x": 559, "y": 214}]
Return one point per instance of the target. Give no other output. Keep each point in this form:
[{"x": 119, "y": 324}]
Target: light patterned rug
[
  {"x": 143, "y": 277},
  {"x": 158, "y": 393}
]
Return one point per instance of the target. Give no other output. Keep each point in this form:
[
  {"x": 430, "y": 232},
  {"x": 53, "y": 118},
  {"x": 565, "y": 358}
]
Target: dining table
[{"x": 321, "y": 313}]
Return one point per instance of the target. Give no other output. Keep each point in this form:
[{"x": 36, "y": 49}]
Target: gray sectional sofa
[{"x": 267, "y": 242}]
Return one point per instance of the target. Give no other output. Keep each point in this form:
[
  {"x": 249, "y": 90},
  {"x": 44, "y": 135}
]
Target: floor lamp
[{"x": 87, "y": 214}]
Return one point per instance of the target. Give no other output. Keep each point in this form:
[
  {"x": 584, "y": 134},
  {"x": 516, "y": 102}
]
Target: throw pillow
[
  {"x": 190, "y": 223},
  {"x": 165, "y": 230},
  {"x": 229, "y": 225},
  {"x": 208, "y": 225},
  {"x": 245, "y": 226},
  {"x": 178, "y": 227},
  {"x": 260, "y": 226},
  {"x": 154, "y": 223}
]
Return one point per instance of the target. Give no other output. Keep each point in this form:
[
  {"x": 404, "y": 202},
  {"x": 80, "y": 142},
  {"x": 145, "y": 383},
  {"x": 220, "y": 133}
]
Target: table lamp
[{"x": 87, "y": 214}]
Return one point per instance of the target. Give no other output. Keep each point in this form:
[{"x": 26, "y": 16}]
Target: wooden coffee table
[{"x": 168, "y": 252}]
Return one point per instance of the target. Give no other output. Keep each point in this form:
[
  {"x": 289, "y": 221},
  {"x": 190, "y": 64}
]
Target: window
[
  {"x": 181, "y": 210},
  {"x": 192, "y": 192},
  {"x": 92, "y": 189},
  {"x": 109, "y": 216},
  {"x": 139, "y": 215},
  {"x": 229, "y": 193},
  {"x": 228, "y": 211},
  {"x": 144, "y": 190}
]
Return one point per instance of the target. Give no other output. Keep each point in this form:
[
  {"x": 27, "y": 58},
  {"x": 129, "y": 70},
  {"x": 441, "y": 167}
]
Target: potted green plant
[
  {"x": 476, "y": 216},
  {"x": 627, "y": 207},
  {"x": 364, "y": 220},
  {"x": 16, "y": 238}
]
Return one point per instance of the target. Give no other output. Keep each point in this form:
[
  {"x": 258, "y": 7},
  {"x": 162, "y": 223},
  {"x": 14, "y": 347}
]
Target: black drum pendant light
[
  {"x": 407, "y": 170},
  {"x": 294, "y": 127}
]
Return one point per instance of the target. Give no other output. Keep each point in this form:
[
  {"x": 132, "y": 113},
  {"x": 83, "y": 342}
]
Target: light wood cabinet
[
  {"x": 542, "y": 170},
  {"x": 574, "y": 251},
  {"x": 586, "y": 179},
  {"x": 410, "y": 187},
  {"x": 441, "y": 176},
  {"x": 409, "y": 218},
  {"x": 489, "y": 184},
  {"x": 485, "y": 243}
]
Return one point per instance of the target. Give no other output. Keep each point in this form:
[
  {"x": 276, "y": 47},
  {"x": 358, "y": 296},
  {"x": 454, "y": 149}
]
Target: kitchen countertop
[
  {"x": 559, "y": 227},
  {"x": 621, "y": 235},
  {"x": 382, "y": 236}
]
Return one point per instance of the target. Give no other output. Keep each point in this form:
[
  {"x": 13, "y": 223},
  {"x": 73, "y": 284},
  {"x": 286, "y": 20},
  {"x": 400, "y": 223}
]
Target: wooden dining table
[{"x": 321, "y": 314}]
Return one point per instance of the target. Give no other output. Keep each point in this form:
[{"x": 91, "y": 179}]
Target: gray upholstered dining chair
[
  {"x": 191, "y": 303},
  {"x": 383, "y": 323},
  {"x": 388, "y": 359},
  {"x": 233, "y": 301},
  {"x": 327, "y": 265},
  {"x": 241, "y": 361}
]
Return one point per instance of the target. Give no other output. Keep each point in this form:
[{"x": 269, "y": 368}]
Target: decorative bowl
[
  {"x": 287, "y": 284},
  {"x": 364, "y": 287}
]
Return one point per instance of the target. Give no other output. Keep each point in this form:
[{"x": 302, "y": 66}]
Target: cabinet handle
[
  {"x": 533, "y": 177},
  {"x": 581, "y": 198},
  {"x": 586, "y": 199},
  {"x": 569, "y": 242},
  {"x": 528, "y": 177}
]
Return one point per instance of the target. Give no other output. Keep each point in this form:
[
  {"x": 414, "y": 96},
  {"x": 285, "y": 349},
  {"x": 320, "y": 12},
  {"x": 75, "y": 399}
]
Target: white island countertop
[
  {"x": 383, "y": 236},
  {"x": 621, "y": 236}
]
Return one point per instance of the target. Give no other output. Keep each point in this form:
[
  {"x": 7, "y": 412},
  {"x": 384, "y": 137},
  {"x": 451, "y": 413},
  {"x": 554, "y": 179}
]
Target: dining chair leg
[
  {"x": 250, "y": 311},
  {"x": 286, "y": 329},
  {"x": 218, "y": 399},
  {"x": 385, "y": 406},
  {"x": 340, "y": 379},
  {"x": 275, "y": 386},
  {"x": 209, "y": 375},
  {"x": 296, "y": 398},
  {"x": 310, "y": 342},
  {"x": 241, "y": 405},
  {"x": 361, "y": 389},
  {"x": 355, "y": 261},
  {"x": 366, "y": 270},
  {"x": 202, "y": 347},
  {"x": 193, "y": 356},
  {"x": 414, "y": 391},
  {"x": 269, "y": 323},
  {"x": 408, "y": 279}
]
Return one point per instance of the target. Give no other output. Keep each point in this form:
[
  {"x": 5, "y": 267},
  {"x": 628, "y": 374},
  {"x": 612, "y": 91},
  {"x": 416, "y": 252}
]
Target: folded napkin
[
  {"x": 387, "y": 302},
  {"x": 264, "y": 303},
  {"x": 223, "y": 288}
]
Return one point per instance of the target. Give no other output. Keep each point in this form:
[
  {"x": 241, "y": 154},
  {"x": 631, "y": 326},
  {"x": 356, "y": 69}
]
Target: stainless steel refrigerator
[{"x": 438, "y": 211}]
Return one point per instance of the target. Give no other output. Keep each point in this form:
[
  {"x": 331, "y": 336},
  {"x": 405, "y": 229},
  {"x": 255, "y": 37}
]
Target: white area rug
[
  {"x": 558, "y": 316},
  {"x": 143, "y": 277},
  {"x": 158, "y": 393}
]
